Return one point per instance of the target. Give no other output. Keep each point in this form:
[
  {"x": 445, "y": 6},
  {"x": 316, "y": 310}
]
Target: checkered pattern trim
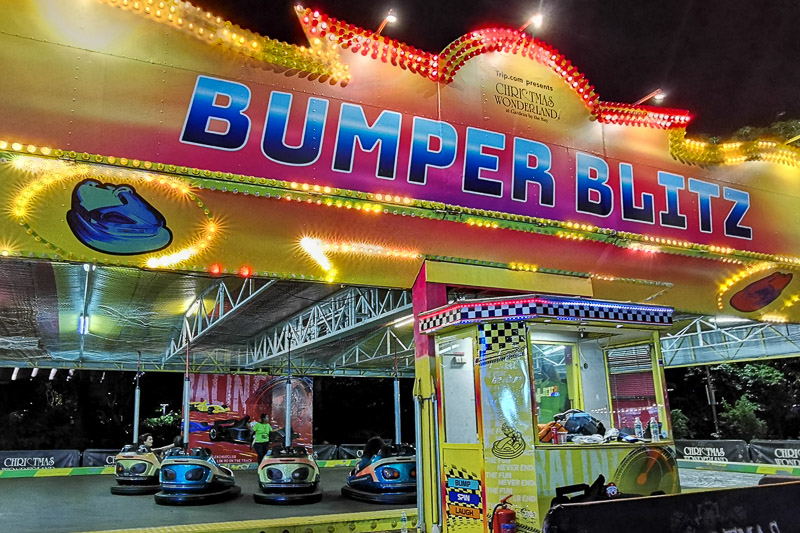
[
  {"x": 498, "y": 336},
  {"x": 558, "y": 309}
]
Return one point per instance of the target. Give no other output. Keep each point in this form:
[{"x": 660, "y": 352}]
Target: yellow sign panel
[{"x": 468, "y": 512}]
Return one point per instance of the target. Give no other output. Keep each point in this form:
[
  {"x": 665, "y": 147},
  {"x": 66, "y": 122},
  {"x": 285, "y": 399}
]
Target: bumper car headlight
[
  {"x": 390, "y": 473},
  {"x": 168, "y": 474},
  {"x": 274, "y": 474},
  {"x": 138, "y": 468},
  {"x": 300, "y": 473},
  {"x": 195, "y": 474},
  {"x": 120, "y": 469},
  {"x": 413, "y": 473}
]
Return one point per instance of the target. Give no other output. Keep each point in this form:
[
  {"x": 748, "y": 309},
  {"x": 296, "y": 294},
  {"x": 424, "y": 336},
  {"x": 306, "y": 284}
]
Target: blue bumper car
[
  {"x": 385, "y": 474},
  {"x": 288, "y": 476},
  {"x": 193, "y": 477},
  {"x": 136, "y": 470}
]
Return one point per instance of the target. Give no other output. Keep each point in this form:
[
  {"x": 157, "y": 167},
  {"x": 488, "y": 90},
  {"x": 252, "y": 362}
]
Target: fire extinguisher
[{"x": 504, "y": 519}]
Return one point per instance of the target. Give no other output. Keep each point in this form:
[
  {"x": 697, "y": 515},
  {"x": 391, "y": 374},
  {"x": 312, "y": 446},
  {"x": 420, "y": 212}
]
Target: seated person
[{"x": 372, "y": 448}]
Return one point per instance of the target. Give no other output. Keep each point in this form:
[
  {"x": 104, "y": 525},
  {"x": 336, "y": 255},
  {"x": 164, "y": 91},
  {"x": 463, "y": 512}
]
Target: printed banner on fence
[
  {"x": 224, "y": 407},
  {"x": 721, "y": 451},
  {"x": 22, "y": 459},
  {"x": 775, "y": 452},
  {"x": 98, "y": 457}
]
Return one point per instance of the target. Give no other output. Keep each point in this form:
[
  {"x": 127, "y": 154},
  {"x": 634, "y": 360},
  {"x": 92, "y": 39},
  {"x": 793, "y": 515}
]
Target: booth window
[
  {"x": 458, "y": 389},
  {"x": 632, "y": 389},
  {"x": 553, "y": 379}
]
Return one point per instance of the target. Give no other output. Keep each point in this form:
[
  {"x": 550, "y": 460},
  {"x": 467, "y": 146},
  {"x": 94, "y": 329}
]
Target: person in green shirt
[
  {"x": 552, "y": 396},
  {"x": 261, "y": 431}
]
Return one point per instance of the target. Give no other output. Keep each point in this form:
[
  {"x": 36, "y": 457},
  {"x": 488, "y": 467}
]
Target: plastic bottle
[
  {"x": 655, "y": 433},
  {"x": 638, "y": 428},
  {"x": 404, "y": 523}
]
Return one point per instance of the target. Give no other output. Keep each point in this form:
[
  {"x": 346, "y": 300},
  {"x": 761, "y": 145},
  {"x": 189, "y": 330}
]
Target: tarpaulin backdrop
[{"x": 222, "y": 408}]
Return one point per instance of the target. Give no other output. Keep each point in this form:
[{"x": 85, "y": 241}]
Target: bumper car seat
[
  {"x": 193, "y": 477},
  {"x": 136, "y": 469},
  {"x": 288, "y": 475},
  {"x": 388, "y": 475}
]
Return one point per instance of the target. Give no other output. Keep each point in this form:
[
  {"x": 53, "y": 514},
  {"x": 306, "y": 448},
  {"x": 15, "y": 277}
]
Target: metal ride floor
[{"x": 84, "y": 503}]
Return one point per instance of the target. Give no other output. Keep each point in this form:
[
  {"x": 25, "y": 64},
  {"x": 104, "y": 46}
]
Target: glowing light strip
[
  {"x": 314, "y": 248},
  {"x": 696, "y": 152},
  {"x": 739, "y": 276},
  {"x": 49, "y": 173},
  {"x": 558, "y": 302},
  {"x": 397, "y": 205},
  {"x": 213, "y": 30},
  {"x": 366, "y": 249}
]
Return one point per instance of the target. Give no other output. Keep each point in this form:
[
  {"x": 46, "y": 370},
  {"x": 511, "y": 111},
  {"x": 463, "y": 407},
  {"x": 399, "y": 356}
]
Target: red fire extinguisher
[{"x": 504, "y": 519}]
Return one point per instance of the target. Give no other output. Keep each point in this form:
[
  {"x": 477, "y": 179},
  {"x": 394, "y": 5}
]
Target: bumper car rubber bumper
[
  {"x": 387, "y": 498},
  {"x": 134, "y": 490},
  {"x": 197, "y": 498},
  {"x": 289, "y": 497}
]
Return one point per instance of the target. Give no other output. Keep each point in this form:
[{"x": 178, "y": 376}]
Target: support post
[
  {"x": 136, "y": 401},
  {"x": 287, "y": 440},
  {"x": 425, "y": 296},
  {"x": 186, "y": 387},
  {"x": 397, "y": 430}
]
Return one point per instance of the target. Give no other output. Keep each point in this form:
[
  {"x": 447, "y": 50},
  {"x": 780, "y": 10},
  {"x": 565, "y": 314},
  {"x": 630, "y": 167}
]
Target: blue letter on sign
[
  {"x": 422, "y": 156},
  {"x": 737, "y": 213},
  {"x": 385, "y": 130},
  {"x": 594, "y": 196},
  {"x": 475, "y": 161},
  {"x": 672, "y": 217},
  {"x": 274, "y": 143},
  {"x": 629, "y": 209},
  {"x": 540, "y": 174},
  {"x": 205, "y": 109},
  {"x": 705, "y": 191}
]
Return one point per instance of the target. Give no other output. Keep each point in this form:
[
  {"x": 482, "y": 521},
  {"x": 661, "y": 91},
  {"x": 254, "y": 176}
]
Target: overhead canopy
[{"x": 171, "y": 151}]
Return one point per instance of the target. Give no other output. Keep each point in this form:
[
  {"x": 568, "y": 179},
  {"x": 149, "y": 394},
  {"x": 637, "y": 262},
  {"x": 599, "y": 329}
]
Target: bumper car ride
[
  {"x": 136, "y": 471},
  {"x": 288, "y": 475},
  {"x": 389, "y": 477},
  {"x": 194, "y": 478}
]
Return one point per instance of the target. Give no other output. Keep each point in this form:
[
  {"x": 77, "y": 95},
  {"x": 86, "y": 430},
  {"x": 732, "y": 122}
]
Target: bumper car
[
  {"x": 116, "y": 220},
  {"x": 387, "y": 476},
  {"x": 194, "y": 478},
  {"x": 235, "y": 431},
  {"x": 287, "y": 476},
  {"x": 136, "y": 469}
]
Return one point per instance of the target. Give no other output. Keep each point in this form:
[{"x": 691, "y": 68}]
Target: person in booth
[{"x": 552, "y": 395}]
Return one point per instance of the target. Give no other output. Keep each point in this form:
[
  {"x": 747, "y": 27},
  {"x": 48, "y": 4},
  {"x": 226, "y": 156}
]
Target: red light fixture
[
  {"x": 245, "y": 271},
  {"x": 214, "y": 269}
]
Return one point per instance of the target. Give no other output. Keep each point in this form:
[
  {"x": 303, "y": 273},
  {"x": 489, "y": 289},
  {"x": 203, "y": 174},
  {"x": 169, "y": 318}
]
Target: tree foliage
[{"x": 741, "y": 421}]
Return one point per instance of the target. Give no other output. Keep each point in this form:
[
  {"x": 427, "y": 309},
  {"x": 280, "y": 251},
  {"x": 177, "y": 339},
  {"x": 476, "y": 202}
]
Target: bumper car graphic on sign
[
  {"x": 761, "y": 293},
  {"x": 115, "y": 220}
]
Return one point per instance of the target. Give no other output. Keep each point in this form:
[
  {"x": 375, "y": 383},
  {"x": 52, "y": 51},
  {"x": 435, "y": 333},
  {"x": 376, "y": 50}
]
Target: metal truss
[
  {"x": 709, "y": 340},
  {"x": 347, "y": 312},
  {"x": 200, "y": 319},
  {"x": 384, "y": 344}
]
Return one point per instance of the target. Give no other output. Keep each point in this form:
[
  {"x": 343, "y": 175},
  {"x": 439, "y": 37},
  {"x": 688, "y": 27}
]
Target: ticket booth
[{"x": 507, "y": 369}]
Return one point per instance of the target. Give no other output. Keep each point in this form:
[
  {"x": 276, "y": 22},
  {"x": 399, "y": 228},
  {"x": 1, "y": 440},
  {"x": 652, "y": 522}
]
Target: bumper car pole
[
  {"x": 287, "y": 438},
  {"x": 186, "y": 388},
  {"x": 136, "y": 400}
]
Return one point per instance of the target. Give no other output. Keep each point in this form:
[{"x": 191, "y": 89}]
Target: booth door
[{"x": 462, "y": 477}]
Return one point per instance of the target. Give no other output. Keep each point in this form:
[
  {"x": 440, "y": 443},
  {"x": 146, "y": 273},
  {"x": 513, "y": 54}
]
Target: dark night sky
[{"x": 731, "y": 63}]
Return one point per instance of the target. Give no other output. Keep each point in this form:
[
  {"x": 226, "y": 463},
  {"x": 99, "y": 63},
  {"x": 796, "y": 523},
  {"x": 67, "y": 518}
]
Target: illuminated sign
[{"x": 464, "y": 165}]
